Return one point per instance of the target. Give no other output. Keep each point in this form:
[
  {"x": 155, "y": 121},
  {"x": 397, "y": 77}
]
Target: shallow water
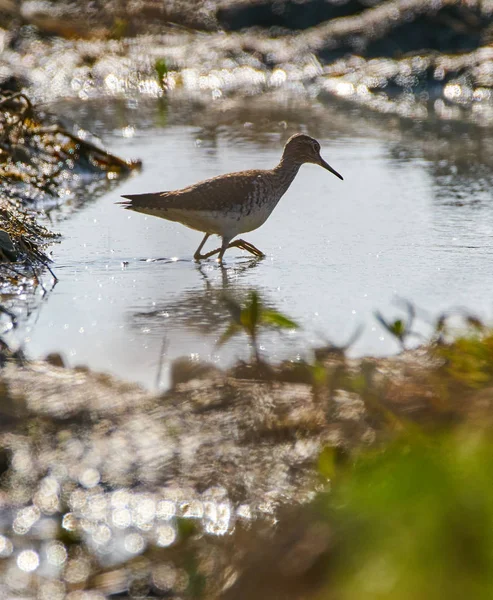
[{"x": 412, "y": 219}]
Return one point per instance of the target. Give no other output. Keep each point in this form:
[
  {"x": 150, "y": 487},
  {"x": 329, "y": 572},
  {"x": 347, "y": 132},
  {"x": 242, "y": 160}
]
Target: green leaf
[
  {"x": 246, "y": 319},
  {"x": 250, "y": 314},
  {"x": 277, "y": 319},
  {"x": 254, "y": 308},
  {"x": 161, "y": 70},
  {"x": 186, "y": 528},
  {"x": 231, "y": 331},
  {"x": 326, "y": 462},
  {"x": 319, "y": 374},
  {"x": 398, "y": 328},
  {"x": 120, "y": 28}
]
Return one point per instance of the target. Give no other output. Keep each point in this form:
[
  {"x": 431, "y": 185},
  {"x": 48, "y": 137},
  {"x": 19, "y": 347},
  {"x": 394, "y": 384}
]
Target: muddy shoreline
[{"x": 412, "y": 59}]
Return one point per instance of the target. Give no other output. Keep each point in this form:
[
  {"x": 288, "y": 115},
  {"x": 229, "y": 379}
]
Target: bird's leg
[
  {"x": 197, "y": 255},
  {"x": 211, "y": 253},
  {"x": 220, "y": 251},
  {"x": 224, "y": 246},
  {"x": 243, "y": 245}
]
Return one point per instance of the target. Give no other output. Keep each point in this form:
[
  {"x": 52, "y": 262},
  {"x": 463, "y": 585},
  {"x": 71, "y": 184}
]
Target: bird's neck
[{"x": 286, "y": 170}]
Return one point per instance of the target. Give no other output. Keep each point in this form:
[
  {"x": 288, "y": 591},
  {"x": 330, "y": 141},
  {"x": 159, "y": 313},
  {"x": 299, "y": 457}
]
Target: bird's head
[{"x": 302, "y": 148}]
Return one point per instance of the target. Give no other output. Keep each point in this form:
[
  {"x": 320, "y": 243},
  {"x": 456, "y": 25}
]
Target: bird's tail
[
  {"x": 136, "y": 201},
  {"x": 149, "y": 204}
]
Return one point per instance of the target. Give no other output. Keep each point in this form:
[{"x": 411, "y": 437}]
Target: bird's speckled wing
[{"x": 223, "y": 193}]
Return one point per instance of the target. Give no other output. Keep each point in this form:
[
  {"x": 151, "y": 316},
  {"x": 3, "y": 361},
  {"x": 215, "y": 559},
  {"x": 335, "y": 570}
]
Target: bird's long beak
[{"x": 329, "y": 168}]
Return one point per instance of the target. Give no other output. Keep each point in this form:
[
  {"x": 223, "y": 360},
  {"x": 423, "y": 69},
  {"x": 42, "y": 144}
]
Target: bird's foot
[{"x": 243, "y": 245}]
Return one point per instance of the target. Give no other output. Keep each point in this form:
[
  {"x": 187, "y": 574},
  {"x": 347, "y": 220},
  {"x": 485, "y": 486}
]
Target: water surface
[{"x": 412, "y": 219}]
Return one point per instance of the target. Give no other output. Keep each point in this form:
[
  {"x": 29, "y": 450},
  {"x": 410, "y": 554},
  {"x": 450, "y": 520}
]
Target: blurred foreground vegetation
[
  {"x": 336, "y": 478},
  {"x": 410, "y": 519},
  {"x": 414, "y": 519},
  {"x": 410, "y": 516}
]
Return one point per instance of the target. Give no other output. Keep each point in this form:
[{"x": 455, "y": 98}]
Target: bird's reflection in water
[
  {"x": 199, "y": 310},
  {"x": 228, "y": 273}
]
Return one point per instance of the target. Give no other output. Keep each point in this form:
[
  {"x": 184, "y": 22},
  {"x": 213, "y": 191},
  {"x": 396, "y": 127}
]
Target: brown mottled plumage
[{"x": 233, "y": 203}]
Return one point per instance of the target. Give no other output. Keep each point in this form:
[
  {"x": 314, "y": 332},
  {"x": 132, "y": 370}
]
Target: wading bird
[{"x": 234, "y": 203}]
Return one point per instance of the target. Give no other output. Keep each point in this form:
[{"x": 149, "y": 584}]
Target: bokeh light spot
[
  {"x": 134, "y": 543},
  {"x": 28, "y": 561}
]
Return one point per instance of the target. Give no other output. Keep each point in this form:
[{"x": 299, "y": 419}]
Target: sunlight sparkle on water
[
  {"x": 165, "y": 535},
  {"x": 244, "y": 512},
  {"x": 25, "y": 519},
  {"x": 6, "y": 546},
  {"x": 28, "y": 561},
  {"x": 69, "y": 522},
  {"x": 143, "y": 512},
  {"x": 51, "y": 590},
  {"x": 89, "y": 477},
  {"x": 56, "y": 553},
  {"x": 165, "y": 510},
  {"x": 134, "y": 543},
  {"x": 128, "y": 131},
  {"x": 77, "y": 570},
  {"x": 46, "y": 498},
  {"x": 164, "y": 577},
  {"x": 192, "y": 510},
  {"x": 217, "y": 517},
  {"x": 121, "y": 518}
]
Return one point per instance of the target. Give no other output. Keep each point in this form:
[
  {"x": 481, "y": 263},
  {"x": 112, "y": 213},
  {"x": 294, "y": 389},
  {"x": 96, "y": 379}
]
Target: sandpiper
[{"x": 233, "y": 203}]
